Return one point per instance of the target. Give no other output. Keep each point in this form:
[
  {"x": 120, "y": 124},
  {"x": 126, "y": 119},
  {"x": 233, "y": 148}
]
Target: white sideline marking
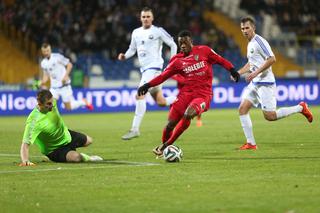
[
  {"x": 82, "y": 168},
  {"x": 120, "y": 164},
  {"x": 17, "y": 155}
]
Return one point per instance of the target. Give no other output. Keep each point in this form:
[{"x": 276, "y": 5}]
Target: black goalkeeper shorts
[{"x": 77, "y": 140}]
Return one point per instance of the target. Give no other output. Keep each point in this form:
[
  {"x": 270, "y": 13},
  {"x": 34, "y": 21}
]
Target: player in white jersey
[
  {"x": 147, "y": 42},
  {"x": 262, "y": 87},
  {"x": 57, "y": 68}
]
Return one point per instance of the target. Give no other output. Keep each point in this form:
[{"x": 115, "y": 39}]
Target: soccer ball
[{"x": 172, "y": 154}]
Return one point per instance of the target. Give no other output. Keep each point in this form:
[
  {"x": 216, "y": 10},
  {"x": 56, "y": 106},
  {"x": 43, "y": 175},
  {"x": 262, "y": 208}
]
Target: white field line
[
  {"x": 17, "y": 155},
  {"x": 109, "y": 162}
]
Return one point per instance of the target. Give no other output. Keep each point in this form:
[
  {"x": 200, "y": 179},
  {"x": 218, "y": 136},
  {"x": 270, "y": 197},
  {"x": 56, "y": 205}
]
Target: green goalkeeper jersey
[{"x": 47, "y": 130}]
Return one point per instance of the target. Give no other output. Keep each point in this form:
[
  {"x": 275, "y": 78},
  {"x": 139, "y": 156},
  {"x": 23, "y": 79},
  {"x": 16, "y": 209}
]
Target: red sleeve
[
  {"x": 179, "y": 78},
  {"x": 169, "y": 71},
  {"x": 215, "y": 58}
]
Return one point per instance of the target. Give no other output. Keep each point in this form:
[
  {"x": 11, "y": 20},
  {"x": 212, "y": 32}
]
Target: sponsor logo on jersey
[{"x": 194, "y": 67}]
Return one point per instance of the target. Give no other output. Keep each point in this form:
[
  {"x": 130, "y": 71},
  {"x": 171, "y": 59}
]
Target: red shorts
[{"x": 184, "y": 100}]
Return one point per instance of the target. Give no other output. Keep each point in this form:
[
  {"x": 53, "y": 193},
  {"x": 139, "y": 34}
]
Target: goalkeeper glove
[
  {"x": 235, "y": 74},
  {"x": 143, "y": 89}
]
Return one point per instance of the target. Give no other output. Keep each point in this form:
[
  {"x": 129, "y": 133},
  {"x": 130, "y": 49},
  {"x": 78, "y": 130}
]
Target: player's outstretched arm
[
  {"x": 66, "y": 77},
  {"x": 24, "y": 154},
  {"x": 44, "y": 80}
]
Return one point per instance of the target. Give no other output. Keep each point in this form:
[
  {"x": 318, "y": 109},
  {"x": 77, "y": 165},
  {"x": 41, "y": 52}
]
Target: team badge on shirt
[
  {"x": 203, "y": 105},
  {"x": 196, "y": 57},
  {"x": 150, "y": 36},
  {"x": 252, "y": 50}
]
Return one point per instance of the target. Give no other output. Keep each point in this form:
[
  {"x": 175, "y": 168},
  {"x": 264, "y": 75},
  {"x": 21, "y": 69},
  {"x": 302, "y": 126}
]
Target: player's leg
[
  {"x": 81, "y": 140},
  {"x": 184, "y": 123},
  {"x": 162, "y": 101},
  {"x": 196, "y": 107},
  {"x": 249, "y": 99},
  {"x": 175, "y": 114},
  {"x": 199, "y": 121},
  {"x": 141, "y": 108},
  {"x": 68, "y": 100},
  {"x": 269, "y": 105},
  {"x": 302, "y": 108},
  {"x": 156, "y": 92}
]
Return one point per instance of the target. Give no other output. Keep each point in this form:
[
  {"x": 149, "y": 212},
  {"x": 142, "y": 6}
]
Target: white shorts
[
  {"x": 263, "y": 94},
  {"x": 65, "y": 93},
  {"x": 147, "y": 76}
]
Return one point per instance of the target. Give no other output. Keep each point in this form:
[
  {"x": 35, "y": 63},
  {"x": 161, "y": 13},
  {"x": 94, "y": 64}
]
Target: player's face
[
  {"x": 247, "y": 30},
  {"x": 46, "y": 106},
  {"x": 146, "y": 19},
  {"x": 46, "y": 52},
  {"x": 185, "y": 44}
]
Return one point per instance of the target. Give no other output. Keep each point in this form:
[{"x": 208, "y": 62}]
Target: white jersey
[
  {"x": 55, "y": 67},
  {"x": 148, "y": 45},
  {"x": 258, "y": 51}
]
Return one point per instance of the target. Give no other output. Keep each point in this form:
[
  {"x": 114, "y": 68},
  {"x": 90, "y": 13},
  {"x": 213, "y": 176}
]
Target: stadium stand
[
  {"x": 92, "y": 33},
  {"x": 299, "y": 21}
]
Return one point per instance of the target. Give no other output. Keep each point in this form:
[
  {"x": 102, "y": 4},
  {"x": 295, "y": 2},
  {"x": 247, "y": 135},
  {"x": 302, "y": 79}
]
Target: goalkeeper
[{"x": 46, "y": 128}]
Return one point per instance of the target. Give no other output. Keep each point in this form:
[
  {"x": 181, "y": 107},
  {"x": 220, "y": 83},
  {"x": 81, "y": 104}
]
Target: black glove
[
  {"x": 235, "y": 74},
  {"x": 143, "y": 89}
]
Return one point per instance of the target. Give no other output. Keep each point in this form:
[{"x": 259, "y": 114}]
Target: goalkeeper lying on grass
[{"x": 46, "y": 128}]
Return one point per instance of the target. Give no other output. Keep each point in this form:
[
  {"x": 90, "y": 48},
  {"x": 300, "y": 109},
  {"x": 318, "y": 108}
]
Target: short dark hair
[
  {"x": 185, "y": 33},
  {"x": 145, "y": 9},
  {"x": 45, "y": 45},
  {"x": 248, "y": 19},
  {"x": 43, "y": 95}
]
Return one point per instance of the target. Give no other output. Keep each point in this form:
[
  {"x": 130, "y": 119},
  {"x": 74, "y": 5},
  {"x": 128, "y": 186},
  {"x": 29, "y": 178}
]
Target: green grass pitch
[{"x": 283, "y": 175}]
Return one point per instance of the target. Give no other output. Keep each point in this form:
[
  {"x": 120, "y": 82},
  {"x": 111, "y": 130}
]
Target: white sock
[
  {"x": 141, "y": 108},
  {"x": 286, "y": 111},
  {"x": 76, "y": 104},
  {"x": 247, "y": 128},
  {"x": 170, "y": 100}
]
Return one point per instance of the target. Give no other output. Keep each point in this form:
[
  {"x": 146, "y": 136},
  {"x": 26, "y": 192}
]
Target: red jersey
[
  {"x": 196, "y": 68},
  {"x": 180, "y": 80}
]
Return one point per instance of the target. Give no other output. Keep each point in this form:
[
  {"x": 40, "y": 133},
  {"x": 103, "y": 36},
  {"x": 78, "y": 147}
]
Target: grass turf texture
[{"x": 283, "y": 175}]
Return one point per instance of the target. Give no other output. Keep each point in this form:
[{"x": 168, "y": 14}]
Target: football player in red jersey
[
  {"x": 180, "y": 82},
  {"x": 194, "y": 63}
]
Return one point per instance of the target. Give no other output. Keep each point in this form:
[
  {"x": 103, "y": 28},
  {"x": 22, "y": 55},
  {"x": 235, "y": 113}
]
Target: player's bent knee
[
  {"x": 89, "y": 141},
  {"x": 244, "y": 107},
  {"x": 139, "y": 97},
  {"x": 73, "y": 157},
  {"x": 243, "y": 110},
  {"x": 162, "y": 103},
  {"x": 270, "y": 116},
  {"x": 190, "y": 113}
]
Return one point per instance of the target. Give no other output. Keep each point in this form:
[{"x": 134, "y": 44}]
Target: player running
[
  {"x": 262, "y": 87},
  {"x": 57, "y": 68},
  {"x": 46, "y": 128},
  {"x": 194, "y": 63},
  {"x": 147, "y": 42}
]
